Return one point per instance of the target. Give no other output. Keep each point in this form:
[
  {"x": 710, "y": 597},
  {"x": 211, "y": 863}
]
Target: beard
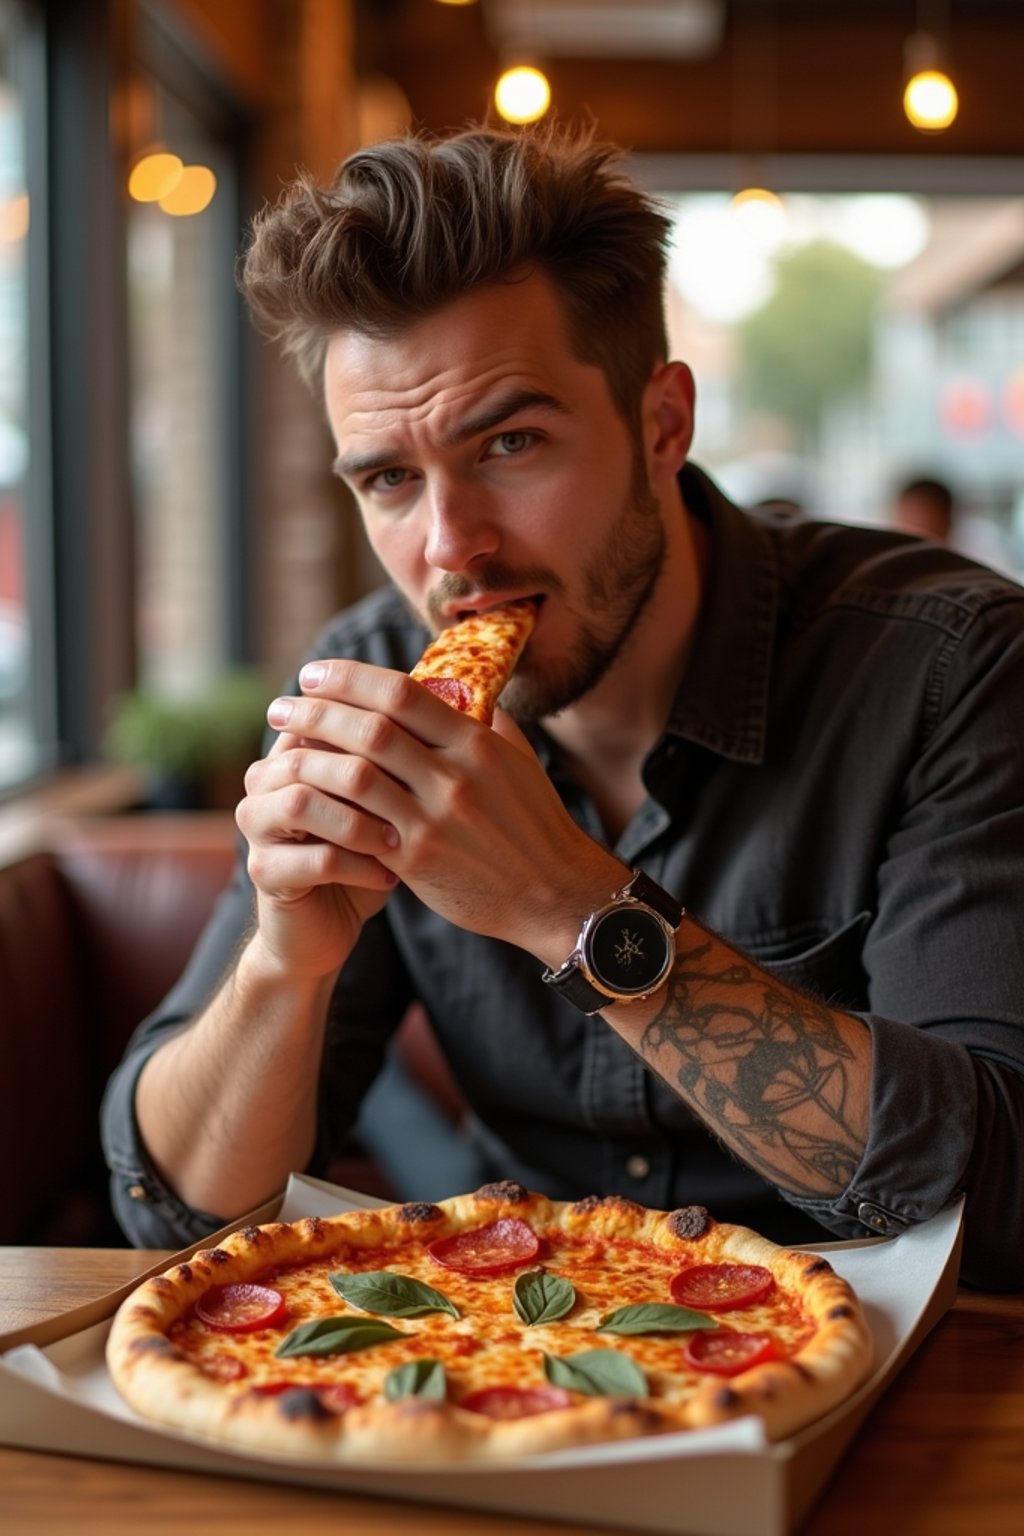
[{"x": 618, "y": 579}]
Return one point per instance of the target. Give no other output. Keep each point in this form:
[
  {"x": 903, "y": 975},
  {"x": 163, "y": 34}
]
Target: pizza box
[{"x": 56, "y": 1395}]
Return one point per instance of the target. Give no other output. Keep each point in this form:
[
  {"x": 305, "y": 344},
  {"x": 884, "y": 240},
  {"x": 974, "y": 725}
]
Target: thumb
[{"x": 504, "y": 725}]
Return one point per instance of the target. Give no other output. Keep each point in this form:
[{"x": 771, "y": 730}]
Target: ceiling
[{"x": 700, "y": 79}]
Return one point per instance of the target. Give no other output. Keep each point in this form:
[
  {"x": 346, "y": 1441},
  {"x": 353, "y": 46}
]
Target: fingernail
[
  {"x": 312, "y": 674},
  {"x": 390, "y": 837},
  {"x": 280, "y": 712}
]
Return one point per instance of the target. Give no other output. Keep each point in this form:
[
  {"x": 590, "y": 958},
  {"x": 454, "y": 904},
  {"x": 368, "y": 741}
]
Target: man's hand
[{"x": 376, "y": 779}]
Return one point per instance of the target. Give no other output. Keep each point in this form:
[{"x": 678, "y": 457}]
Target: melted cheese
[{"x": 487, "y": 1345}]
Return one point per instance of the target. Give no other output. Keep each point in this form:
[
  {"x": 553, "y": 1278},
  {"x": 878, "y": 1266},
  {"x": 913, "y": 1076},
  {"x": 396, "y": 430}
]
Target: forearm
[
  {"x": 228, "y": 1107},
  {"x": 779, "y": 1077}
]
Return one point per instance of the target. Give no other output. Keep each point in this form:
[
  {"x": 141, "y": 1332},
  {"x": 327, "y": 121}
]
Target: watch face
[{"x": 627, "y": 950}]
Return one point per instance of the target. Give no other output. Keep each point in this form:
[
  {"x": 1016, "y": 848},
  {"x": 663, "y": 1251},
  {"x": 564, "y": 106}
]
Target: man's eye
[
  {"x": 510, "y": 443},
  {"x": 388, "y": 479}
]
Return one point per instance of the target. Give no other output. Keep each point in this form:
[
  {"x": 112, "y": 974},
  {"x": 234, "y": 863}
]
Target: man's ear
[{"x": 668, "y": 419}]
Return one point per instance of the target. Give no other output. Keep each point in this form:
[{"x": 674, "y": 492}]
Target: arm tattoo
[{"x": 767, "y": 1068}]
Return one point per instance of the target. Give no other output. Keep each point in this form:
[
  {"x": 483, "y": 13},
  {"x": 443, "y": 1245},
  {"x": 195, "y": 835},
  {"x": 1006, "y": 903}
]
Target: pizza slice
[{"x": 469, "y": 664}]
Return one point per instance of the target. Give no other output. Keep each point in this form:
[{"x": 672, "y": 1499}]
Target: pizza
[
  {"x": 490, "y": 1325},
  {"x": 470, "y": 662}
]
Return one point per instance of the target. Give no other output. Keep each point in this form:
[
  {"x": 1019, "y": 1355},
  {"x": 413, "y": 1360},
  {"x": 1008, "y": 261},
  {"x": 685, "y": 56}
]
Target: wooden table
[{"x": 941, "y": 1455}]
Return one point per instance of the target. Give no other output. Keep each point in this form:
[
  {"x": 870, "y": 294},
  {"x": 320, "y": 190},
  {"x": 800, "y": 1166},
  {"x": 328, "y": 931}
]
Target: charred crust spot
[
  {"x": 252, "y": 1235},
  {"x": 154, "y": 1344},
  {"x": 160, "y": 1284},
  {"x": 727, "y": 1398},
  {"x": 419, "y": 1211},
  {"x": 302, "y": 1403},
  {"x": 689, "y": 1221},
  {"x": 591, "y": 1203},
  {"x": 834, "y": 1314},
  {"x": 185, "y": 1273},
  {"x": 218, "y": 1256},
  {"x": 818, "y": 1267},
  {"x": 312, "y": 1227},
  {"x": 506, "y": 1190}
]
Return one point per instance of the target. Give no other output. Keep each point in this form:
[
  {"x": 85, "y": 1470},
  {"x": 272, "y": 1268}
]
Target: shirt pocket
[{"x": 827, "y": 963}]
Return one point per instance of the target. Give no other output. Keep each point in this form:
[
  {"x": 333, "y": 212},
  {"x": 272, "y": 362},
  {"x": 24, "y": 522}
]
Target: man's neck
[{"x": 605, "y": 737}]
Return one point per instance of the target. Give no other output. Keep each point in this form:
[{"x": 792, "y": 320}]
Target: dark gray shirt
[{"x": 839, "y": 792}]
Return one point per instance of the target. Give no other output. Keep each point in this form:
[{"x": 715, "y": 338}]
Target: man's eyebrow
[
  {"x": 501, "y": 410},
  {"x": 351, "y": 466}
]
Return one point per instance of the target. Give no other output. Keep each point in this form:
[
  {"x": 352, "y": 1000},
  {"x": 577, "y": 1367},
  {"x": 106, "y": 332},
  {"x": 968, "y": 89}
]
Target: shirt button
[
  {"x": 872, "y": 1216},
  {"x": 638, "y": 1166},
  {"x": 136, "y": 1192}
]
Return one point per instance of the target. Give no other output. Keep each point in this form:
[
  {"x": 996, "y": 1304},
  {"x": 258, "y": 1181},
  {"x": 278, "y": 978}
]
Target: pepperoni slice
[
  {"x": 725, "y": 1353},
  {"x": 240, "y": 1308},
  {"x": 516, "y": 1402},
  {"x": 223, "y": 1367},
  {"x": 458, "y": 694},
  {"x": 501, "y": 1245},
  {"x": 721, "y": 1287}
]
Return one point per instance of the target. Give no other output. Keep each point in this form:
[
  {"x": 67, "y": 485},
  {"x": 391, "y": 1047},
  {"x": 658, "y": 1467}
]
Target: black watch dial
[{"x": 627, "y": 950}]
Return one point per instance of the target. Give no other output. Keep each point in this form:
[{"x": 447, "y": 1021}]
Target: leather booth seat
[{"x": 94, "y": 930}]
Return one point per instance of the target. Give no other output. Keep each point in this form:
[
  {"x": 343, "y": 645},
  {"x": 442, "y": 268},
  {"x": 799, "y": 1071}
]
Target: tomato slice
[
  {"x": 725, "y": 1353},
  {"x": 240, "y": 1308},
  {"x": 502, "y": 1244},
  {"x": 721, "y": 1287},
  {"x": 516, "y": 1402},
  {"x": 336, "y": 1395},
  {"x": 451, "y": 689}
]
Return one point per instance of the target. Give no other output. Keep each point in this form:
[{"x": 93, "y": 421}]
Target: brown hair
[{"x": 411, "y": 224}]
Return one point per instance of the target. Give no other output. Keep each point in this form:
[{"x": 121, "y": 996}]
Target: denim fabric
[{"x": 839, "y": 792}]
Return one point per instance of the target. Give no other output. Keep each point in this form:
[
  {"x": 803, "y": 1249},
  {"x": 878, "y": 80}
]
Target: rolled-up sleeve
[{"x": 944, "y": 956}]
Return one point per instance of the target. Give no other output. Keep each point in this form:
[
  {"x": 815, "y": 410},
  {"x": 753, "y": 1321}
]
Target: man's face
[{"x": 489, "y": 463}]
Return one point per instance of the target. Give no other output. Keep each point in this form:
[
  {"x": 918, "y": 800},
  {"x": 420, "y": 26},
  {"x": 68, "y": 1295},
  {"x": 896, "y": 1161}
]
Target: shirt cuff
[
  {"x": 923, "y": 1114},
  {"x": 147, "y": 1210}
]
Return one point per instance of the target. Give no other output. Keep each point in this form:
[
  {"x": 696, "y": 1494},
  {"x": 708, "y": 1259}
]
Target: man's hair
[{"x": 411, "y": 224}]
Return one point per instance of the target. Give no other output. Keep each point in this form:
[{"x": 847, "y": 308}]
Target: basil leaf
[
  {"x": 416, "y": 1378},
  {"x": 654, "y": 1317},
  {"x": 337, "y": 1336},
  {"x": 392, "y": 1295},
  {"x": 538, "y": 1297},
  {"x": 597, "y": 1372}
]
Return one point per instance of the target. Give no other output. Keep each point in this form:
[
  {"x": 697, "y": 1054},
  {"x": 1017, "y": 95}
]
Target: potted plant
[{"x": 194, "y": 750}]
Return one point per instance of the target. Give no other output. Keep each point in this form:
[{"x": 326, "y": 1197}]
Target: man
[
  {"x": 810, "y": 735},
  {"x": 925, "y": 506}
]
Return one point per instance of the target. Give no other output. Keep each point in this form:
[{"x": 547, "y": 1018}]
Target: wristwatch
[{"x": 624, "y": 950}]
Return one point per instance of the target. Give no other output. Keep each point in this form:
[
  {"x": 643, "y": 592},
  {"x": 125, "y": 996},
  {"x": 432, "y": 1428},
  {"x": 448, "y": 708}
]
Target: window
[
  {"x": 843, "y": 343},
  {"x": 17, "y": 734}
]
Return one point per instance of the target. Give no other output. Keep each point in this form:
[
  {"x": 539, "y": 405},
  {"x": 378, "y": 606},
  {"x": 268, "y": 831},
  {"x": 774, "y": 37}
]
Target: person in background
[
  {"x": 927, "y": 507},
  {"x": 725, "y": 909}
]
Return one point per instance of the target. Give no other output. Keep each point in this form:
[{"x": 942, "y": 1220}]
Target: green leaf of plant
[
  {"x": 597, "y": 1372},
  {"x": 416, "y": 1378},
  {"x": 538, "y": 1297},
  {"x": 654, "y": 1317},
  {"x": 337, "y": 1336},
  {"x": 391, "y": 1295}
]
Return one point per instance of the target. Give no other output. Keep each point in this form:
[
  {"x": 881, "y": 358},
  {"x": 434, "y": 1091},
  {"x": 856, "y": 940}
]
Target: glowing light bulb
[
  {"x": 154, "y": 176},
  {"x": 523, "y": 94},
  {"x": 930, "y": 100},
  {"x": 192, "y": 193}
]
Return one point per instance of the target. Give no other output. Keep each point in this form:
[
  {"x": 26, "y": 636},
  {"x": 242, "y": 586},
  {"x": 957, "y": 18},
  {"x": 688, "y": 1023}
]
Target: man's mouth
[{"x": 490, "y": 603}]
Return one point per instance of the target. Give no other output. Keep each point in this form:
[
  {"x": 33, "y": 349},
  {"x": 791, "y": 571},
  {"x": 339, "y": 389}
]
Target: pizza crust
[{"x": 163, "y": 1384}]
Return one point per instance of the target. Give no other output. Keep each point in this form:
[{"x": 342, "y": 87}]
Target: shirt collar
[{"x": 722, "y": 702}]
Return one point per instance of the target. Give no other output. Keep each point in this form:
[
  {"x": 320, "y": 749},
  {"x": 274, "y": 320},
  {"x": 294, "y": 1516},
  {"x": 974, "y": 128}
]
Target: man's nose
[{"x": 460, "y": 529}]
